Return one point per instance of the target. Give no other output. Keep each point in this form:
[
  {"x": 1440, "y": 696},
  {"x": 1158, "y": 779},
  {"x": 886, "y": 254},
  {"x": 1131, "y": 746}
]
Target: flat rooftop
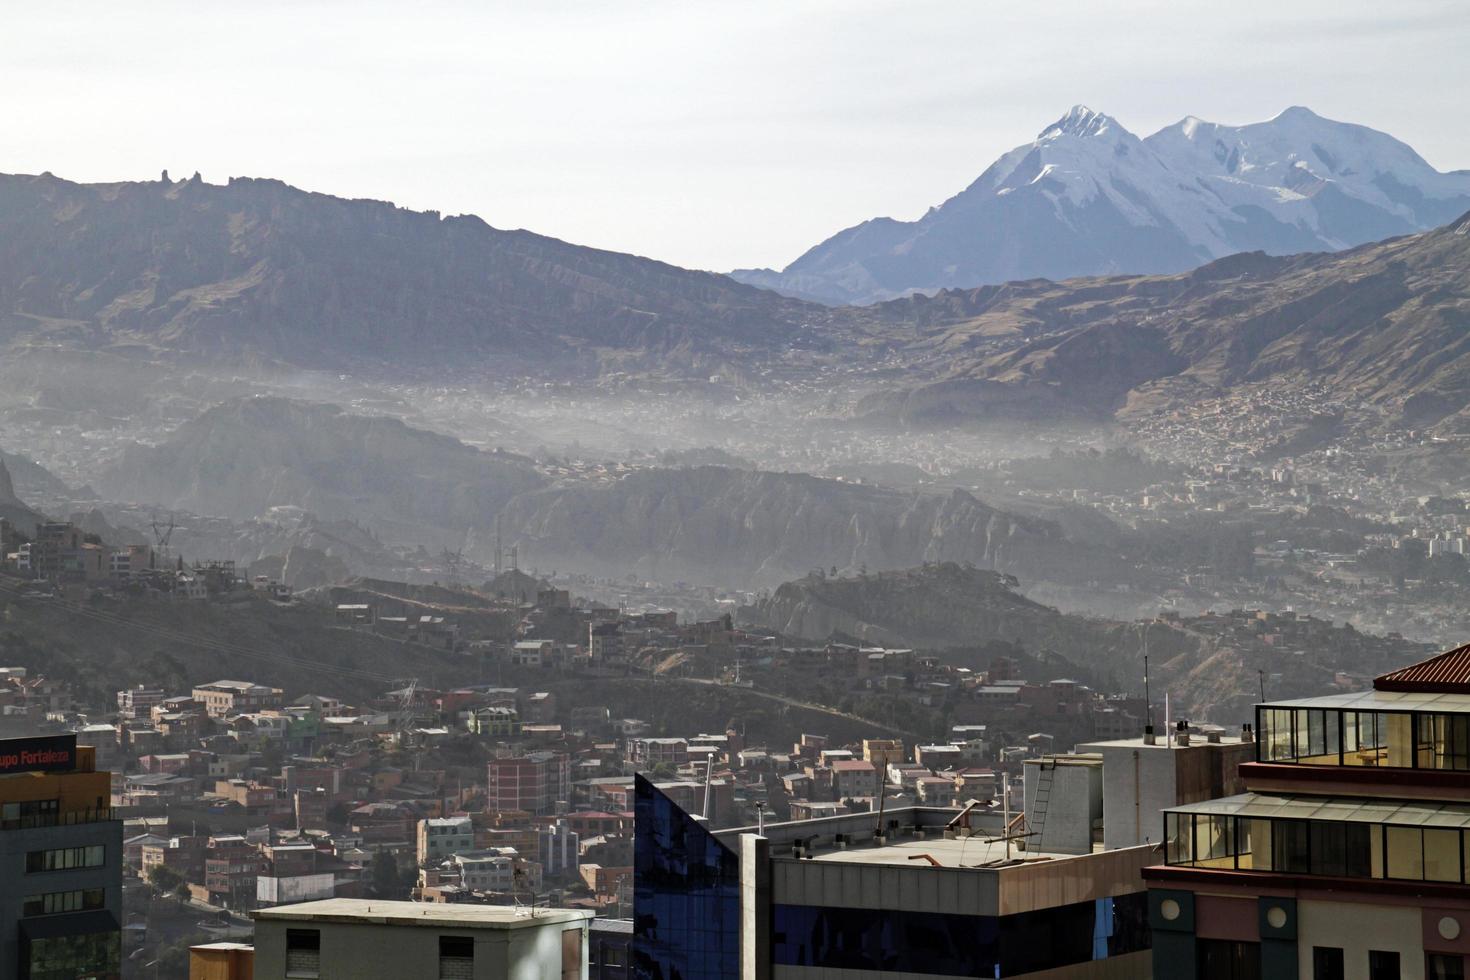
[
  {"x": 434, "y": 915},
  {"x": 1447, "y": 702},
  {"x": 1195, "y": 741},
  {"x": 961, "y": 852}
]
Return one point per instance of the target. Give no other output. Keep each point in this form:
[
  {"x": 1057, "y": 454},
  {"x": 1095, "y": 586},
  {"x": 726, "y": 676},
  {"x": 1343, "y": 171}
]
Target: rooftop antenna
[{"x": 1261, "y": 677}]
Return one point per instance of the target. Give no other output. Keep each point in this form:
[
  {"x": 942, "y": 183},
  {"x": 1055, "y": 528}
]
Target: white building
[{"x": 356, "y": 939}]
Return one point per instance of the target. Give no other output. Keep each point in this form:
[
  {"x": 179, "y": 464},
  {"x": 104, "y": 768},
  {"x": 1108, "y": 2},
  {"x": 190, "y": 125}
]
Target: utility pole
[{"x": 1261, "y": 676}]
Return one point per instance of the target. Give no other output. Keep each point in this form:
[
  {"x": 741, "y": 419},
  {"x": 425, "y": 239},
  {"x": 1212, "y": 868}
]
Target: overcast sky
[{"x": 713, "y": 135}]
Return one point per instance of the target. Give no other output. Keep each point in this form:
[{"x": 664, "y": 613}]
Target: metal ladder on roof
[{"x": 1037, "y": 819}]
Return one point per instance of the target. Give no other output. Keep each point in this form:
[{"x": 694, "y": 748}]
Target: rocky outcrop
[{"x": 713, "y": 524}]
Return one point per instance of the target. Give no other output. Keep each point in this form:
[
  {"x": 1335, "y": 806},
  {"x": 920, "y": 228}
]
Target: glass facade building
[
  {"x": 892, "y": 941},
  {"x": 686, "y": 894},
  {"x": 832, "y": 903}
]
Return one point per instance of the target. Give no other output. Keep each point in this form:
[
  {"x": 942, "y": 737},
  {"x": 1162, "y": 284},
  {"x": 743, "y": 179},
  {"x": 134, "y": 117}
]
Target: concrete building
[
  {"x": 883, "y": 752},
  {"x": 1147, "y": 775},
  {"x": 138, "y": 702},
  {"x": 1348, "y": 853},
  {"x": 646, "y": 753},
  {"x": 224, "y": 699},
  {"x": 854, "y": 778},
  {"x": 351, "y": 939},
  {"x": 61, "y": 861},
  {"x": 935, "y": 895},
  {"x": 439, "y": 838},
  {"x": 1063, "y": 801},
  {"x": 536, "y": 783}
]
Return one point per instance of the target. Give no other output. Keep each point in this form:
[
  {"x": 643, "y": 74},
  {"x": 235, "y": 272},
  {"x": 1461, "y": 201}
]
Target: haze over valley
[{"x": 330, "y": 388}]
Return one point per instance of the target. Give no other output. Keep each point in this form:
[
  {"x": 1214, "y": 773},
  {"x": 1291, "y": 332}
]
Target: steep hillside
[
  {"x": 933, "y": 606},
  {"x": 712, "y": 524},
  {"x": 1207, "y": 664},
  {"x": 259, "y": 268},
  {"x": 12, "y": 508},
  {"x": 248, "y": 455},
  {"x": 103, "y": 648},
  {"x": 1087, "y": 198},
  {"x": 1384, "y": 322}
]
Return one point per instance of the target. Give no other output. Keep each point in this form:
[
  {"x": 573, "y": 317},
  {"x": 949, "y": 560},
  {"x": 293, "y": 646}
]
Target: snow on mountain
[{"x": 1087, "y": 197}]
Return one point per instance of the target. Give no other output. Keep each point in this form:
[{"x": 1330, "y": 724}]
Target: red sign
[{"x": 45, "y": 753}]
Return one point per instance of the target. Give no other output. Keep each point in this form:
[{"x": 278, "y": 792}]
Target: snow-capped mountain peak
[
  {"x": 1080, "y": 121},
  {"x": 1087, "y": 197}
]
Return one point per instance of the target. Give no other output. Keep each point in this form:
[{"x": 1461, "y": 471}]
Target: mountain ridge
[
  {"x": 1386, "y": 321},
  {"x": 1088, "y": 197},
  {"x": 257, "y": 268}
]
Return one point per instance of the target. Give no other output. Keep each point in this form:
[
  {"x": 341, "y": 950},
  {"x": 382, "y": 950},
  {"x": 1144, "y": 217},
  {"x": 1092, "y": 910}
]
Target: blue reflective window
[
  {"x": 686, "y": 894},
  {"x": 889, "y": 941}
]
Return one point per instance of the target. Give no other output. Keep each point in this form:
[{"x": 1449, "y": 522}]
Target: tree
[
  {"x": 164, "y": 879},
  {"x": 387, "y": 883}
]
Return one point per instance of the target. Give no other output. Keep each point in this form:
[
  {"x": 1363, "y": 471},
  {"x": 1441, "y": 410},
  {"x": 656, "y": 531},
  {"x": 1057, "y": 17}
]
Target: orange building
[{"x": 222, "y": 961}]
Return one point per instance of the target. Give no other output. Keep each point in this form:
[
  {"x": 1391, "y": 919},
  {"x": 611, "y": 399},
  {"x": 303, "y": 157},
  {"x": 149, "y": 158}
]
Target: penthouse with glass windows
[{"x": 1349, "y": 854}]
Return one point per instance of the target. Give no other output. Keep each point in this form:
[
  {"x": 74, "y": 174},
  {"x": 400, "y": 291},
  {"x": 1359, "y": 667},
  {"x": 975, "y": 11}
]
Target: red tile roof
[{"x": 1445, "y": 673}]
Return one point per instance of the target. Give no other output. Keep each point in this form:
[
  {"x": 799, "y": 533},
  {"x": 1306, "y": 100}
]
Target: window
[
  {"x": 1276, "y": 727},
  {"x": 1383, "y": 965},
  {"x": 303, "y": 953},
  {"x": 55, "y": 903},
  {"x": 1444, "y": 966},
  {"x": 571, "y": 954},
  {"x": 1444, "y": 741},
  {"x": 1405, "y": 853},
  {"x": 66, "y": 858},
  {"x": 1222, "y": 959},
  {"x": 1327, "y": 963},
  {"x": 456, "y": 958},
  {"x": 31, "y": 813},
  {"x": 1441, "y": 855},
  {"x": 1289, "y": 839}
]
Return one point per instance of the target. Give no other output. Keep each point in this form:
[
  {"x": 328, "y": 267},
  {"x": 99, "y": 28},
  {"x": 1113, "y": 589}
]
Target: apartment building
[
  {"x": 225, "y": 699},
  {"x": 347, "y": 939},
  {"x": 1348, "y": 853},
  {"x": 535, "y": 783}
]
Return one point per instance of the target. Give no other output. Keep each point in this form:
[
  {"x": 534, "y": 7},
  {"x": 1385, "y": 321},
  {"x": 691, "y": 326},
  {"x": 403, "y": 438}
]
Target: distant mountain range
[
  {"x": 262, "y": 269},
  {"x": 1387, "y": 323},
  {"x": 1089, "y": 198},
  {"x": 256, "y": 271}
]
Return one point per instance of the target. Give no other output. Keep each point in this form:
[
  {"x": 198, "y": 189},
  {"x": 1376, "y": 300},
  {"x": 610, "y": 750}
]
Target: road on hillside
[{"x": 794, "y": 703}]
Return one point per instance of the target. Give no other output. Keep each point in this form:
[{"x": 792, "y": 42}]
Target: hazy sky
[{"x": 712, "y": 135}]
